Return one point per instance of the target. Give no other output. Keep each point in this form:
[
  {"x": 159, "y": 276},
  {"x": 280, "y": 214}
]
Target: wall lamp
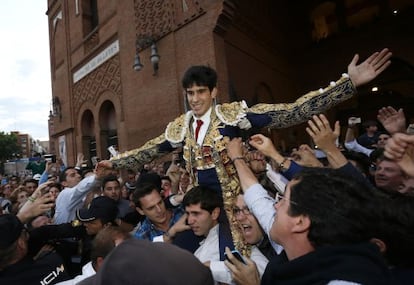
[{"x": 142, "y": 43}]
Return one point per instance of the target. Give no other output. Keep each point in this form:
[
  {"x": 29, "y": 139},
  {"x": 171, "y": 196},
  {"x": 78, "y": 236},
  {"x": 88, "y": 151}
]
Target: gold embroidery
[
  {"x": 315, "y": 102},
  {"x": 231, "y": 113},
  {"x": 135, "y": 158},
  {"x": 213, "y": 154},
  {"x": 176, "y": 130}
]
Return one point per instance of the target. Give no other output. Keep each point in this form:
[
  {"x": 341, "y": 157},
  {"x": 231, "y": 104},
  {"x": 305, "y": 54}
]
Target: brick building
[
  {"x": 263, "y": 51},
  {"x": 28, "y": 145}
]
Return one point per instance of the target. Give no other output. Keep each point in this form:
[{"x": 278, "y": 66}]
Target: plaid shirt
[{"x": 148, "y": 231}]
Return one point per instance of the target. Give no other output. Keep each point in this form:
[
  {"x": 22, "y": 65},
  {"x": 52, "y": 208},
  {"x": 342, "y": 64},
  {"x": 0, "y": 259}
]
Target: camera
[
  {"x": 354, "y": 120},
  {"x": 50, "y": 158}
]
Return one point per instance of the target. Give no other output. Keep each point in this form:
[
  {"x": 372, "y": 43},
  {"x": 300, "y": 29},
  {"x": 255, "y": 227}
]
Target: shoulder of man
[
  {"x": 176, "y": 130},
  {"x": 231, "y": 113}
]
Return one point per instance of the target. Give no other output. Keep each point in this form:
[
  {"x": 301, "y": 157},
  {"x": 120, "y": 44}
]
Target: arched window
[{"x": 108, "y": 125}]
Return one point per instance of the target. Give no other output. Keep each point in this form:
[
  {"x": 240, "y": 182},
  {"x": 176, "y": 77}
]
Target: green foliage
[{"x": 8, "y": 146}]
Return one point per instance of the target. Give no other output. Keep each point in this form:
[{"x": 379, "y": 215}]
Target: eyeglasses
[
  {"x": 279, "y": 197},
  {"x": 244, "y": 210}
]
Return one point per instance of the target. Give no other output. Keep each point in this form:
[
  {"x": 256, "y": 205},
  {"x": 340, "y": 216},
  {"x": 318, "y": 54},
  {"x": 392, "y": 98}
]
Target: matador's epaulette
[
  {"x": 176, "y": 130},
  {"x": 233, "y": 114}
]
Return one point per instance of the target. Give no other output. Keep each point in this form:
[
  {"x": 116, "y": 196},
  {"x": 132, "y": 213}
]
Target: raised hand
[
  {"x": 35, "y": 207},
  {"x": 80, "y": 159},
  {"x": 322, "y": 134},
  {"x": 370, "y": 68},
  {"x": 263, "y": 144},
  {"x": 392, "y": 120},
  {"x": 235, "y": 148},
  {"x": 305, "y": 156},
  {"x": 103, "y": 168},
  {"x": 104, "y": 164},
  {"x": 400, "y": 148}
]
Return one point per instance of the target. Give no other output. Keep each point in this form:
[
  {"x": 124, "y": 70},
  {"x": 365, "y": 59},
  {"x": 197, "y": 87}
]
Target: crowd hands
[
  {"x": 391, "y": 178},
  {"x": 356, "y": 194}
]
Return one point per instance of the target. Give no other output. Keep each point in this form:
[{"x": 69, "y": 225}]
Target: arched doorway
[{"x": 108, "y": 127}]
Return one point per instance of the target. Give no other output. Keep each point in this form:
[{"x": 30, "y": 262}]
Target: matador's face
[{"x": 200, "y": 99}]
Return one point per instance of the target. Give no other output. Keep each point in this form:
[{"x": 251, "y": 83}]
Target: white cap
[{"x": 37, "y": 176}]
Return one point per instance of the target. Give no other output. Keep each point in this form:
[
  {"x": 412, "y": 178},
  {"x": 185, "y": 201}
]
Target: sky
[{"x": 25, "y": 96}]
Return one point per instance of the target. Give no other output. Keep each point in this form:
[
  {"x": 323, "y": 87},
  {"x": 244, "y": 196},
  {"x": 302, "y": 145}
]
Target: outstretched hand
[
  {"x": 263, "y": 144},
  {"x": 103, "y": 168},
  {"x": 370, "y": 68},
  {"x": 392, "y": 120},
  {"x": 35, "y": 207},
  {"x": 322, "y": 134}
]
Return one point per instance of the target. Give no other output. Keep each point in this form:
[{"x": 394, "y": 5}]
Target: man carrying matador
[{"x": 204, "y": 131}]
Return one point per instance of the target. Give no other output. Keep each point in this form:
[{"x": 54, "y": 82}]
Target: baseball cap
[
  {"x": 173, "y": 265},
  {"x": 6, "y": 206},
  {"x": 10, "y": 229},
  {"x": 37, "y": 177},
  {"x": 101, "y": 207}
]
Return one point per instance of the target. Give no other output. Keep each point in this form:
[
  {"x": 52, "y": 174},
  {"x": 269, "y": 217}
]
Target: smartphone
[
  {"x": 237, "y": 255},
  {"x": 50, "y": 158},
  {"x": 112, "y": 150}
]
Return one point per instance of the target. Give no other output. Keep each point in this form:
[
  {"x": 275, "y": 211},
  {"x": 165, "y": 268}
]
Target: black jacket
[{"x": 360, "y": 263}]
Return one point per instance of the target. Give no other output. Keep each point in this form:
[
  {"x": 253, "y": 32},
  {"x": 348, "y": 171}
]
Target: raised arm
[
  {"x": 323, "y": 136},
  {"x": 235, "y": 153},
  {"x": 136, "y": 158},
  {"x": 316, "y": 102}
]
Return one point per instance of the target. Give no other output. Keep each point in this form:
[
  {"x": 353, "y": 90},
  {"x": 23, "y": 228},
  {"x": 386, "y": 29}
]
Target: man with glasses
[
  {"x": 205, "y": 130},
  {"x": 324, "y": 221},
  {"x": 253, "y": 233},
  {"x": 202, "y": 207}
]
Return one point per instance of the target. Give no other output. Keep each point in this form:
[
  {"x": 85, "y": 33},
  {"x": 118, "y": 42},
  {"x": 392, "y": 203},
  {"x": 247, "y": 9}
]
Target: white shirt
[
  {"x": 204, "y": 127},
  {"x": 87, "y": 271},
  {"x": 355, "y": 146},
  {"x": 209, "y": 251},
  {"x": 70, "y": 199},
  {"x": 261, "y": 205}
]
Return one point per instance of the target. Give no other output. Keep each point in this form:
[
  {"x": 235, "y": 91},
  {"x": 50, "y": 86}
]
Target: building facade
[
  {"x": 263, "y": 51},
  {"x": 29, "y": 146}
]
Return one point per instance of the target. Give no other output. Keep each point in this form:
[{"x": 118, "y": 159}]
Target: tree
[{"x": 9, "y": 147}]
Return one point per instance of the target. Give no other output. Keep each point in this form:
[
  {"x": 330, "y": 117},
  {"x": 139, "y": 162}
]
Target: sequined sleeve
[
  {"x": 135, "y": 158},
  {"x": 315, "y": 102}
]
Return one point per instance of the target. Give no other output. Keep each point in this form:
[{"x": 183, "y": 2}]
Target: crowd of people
[{"x": 204, "y": 204}]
